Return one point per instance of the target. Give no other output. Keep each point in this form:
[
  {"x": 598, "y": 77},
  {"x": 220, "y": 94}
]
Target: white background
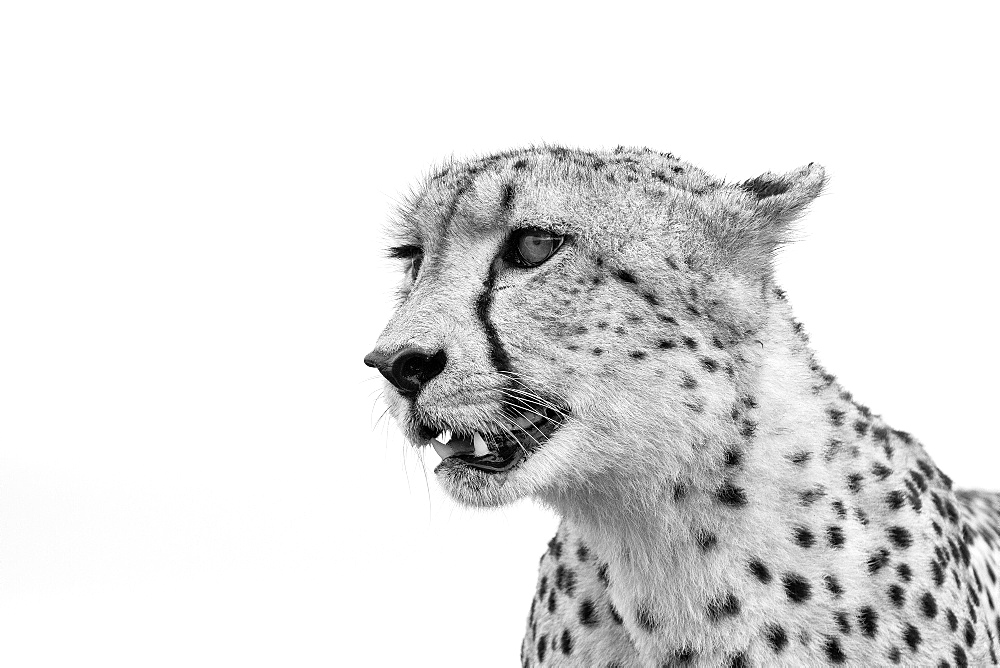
[{"x": 191, "y": 200}]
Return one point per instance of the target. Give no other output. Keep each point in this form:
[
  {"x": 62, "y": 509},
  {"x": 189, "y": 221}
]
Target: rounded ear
[{"x": 781, "y": 198}]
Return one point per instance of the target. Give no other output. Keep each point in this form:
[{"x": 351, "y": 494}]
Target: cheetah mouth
[{"x": 523, "y": 432}]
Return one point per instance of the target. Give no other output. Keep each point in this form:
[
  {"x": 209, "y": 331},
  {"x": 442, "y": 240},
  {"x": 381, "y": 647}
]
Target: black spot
[
  {"x": 809, "y": 496},
  {"x": 748, "y": 428},
  {"x": 566, "y": 642},
  {"x": 843, "y": 622},
  {"x": 804, "y": 537},
  {"x": 666, "y": 344},
  {"x": 868, "y": 621},
  {"x": 905, "y": 572},
  {"x": 689, "y": 342},
  {"x": 687, "y": 382},
  {"x": 731, "y": 495},
  {"x": 710, "y": 365},
  {"x": 835, "y": 536},
  {"x": 615, "y": 617},
  {"x": 897, "y": 595},
  {"x": 597, "y": 352},
  {"x": 776, "y": 637},
  {"x": 861, "y": 516},
  {"x": 732, "y": 457},
  {"x": 760, "y": 571},
  {"x": 644, "y": 618},
  {"x": 624, "y": 276},
  {"x": 762, "y": 188},
  {"x": 937, "y": 572},
  {"x": 861, "y": 427},
  {"x": 903, "y": 436},
  {"x": 582, "y": 553},
  {"x": 552, "y": 601},
  {"x": 833, "y": 585},
  {"x": 833, "y": 651},
  {"x": 839, "y": 508},
  {"x": 970, "y": 634},
  {"x": 928, "y": 605},
  {"x": 670, "y": 320},
  {"x": 706, "y": 540},
  {"x": 878, "y": 560},
  {"x": 507, "y": 196},
  {"x": 541, "y": 647},
  {"x": 565, "y": 580},
  {"x": 637, "y": 355},
  {"x": 881, "y": 471},
  {"x": 961, "y": 661},
  {"x": 894, "y": 499},
  {"x": 680, "y": 491},
  {"x": 602, "y": 574},
  {"x": 854, "y": 482},
  {"x": 900, "y": 537},
  {"x": 726, "y": 606},
  {"x": 555, "y": 548},
  {"x": 912, "y": 637},
  {"x": 587, "y": 613},
  {"x": 797, "y": 589},
  {"x": 952, "y": 620},
  {"x": 800, "y": 458},
  {"x": 682, "y": 657},
  {"x": 952, "y": 513},
  {"x": 651, "y": 298},
  {"x": 739, "y": 661},
  {"x": 836, "y": 416},
  {"x": 520, "y": 164}
]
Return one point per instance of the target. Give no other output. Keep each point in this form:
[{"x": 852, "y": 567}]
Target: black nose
[{"x": 409, "y": 369}]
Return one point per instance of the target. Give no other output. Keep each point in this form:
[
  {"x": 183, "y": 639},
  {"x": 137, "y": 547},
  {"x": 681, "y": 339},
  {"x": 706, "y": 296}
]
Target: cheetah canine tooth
[{"x": 479, "y": 443}]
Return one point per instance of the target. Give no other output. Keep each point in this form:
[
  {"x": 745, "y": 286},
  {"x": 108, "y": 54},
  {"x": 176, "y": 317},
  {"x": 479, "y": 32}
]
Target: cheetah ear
[
  {"x": 761, "y": 217},
  {"x": 781, "y": 198}
]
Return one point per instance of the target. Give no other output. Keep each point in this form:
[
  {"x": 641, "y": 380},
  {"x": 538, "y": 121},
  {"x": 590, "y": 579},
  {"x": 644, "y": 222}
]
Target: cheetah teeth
[
  {"x": 479, "y": 445},
  {"x": 448, "y": 444}
]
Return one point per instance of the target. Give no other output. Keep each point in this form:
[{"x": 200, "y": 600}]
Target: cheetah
[{"x": 601, "y": 332}]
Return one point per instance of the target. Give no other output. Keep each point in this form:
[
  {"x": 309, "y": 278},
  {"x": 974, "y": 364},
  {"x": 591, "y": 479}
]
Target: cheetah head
[{"x": 571, "y": 325}]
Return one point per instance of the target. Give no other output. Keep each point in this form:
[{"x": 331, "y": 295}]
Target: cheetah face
[{"x": 559, "y": 333}]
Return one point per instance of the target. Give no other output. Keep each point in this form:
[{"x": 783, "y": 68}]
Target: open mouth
[{"x": 525, "y": 430}]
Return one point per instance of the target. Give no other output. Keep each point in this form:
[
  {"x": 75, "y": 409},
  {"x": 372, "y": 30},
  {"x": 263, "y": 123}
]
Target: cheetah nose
[{"x": 409, "y": 369}]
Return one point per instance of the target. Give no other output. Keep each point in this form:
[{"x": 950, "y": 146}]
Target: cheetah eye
[
  {"x": 411, "y": 252},
  {"x": 532, "y": 246}
]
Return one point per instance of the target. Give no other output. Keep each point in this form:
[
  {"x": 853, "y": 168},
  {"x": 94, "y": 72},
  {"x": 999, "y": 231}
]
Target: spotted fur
[{"x": 725, "y": 501}]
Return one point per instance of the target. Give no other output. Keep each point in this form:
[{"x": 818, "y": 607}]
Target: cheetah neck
[{"x": 810, "y": 447}]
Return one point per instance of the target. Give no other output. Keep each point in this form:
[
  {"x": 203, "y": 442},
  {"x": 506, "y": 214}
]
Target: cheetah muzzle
[{"x": 524, "y": 429}]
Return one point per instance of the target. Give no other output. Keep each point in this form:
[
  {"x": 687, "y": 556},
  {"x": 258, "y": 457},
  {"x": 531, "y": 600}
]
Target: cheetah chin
[{"x": 530, "y": 427}]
